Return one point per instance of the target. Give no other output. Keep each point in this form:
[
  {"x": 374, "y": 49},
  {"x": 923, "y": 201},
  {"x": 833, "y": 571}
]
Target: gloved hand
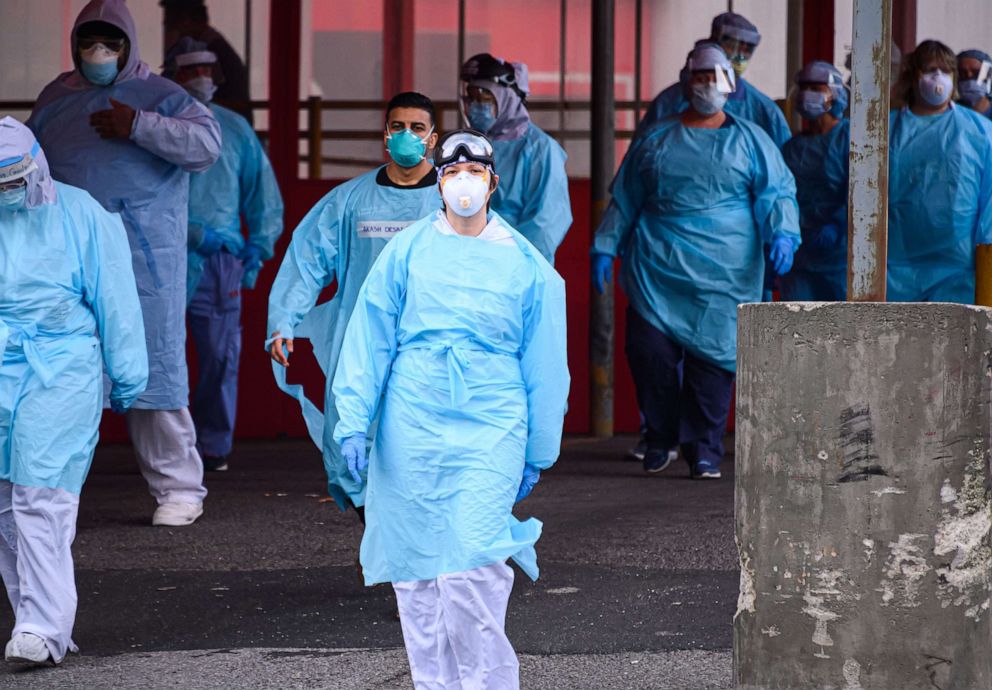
[
  {"x": 826, "y": 237},
  {"x": 117, "y": 403},
  {"x": 781, "y": 254},
  {"x": 211, "y": 244},
  {"x": 353, "y": 452},
  {"x": 251, "y": 257},
  {"x": 249, "y": 278},
  {"x": 530, "y": 478},
  {"x": 602, "y": 271}
]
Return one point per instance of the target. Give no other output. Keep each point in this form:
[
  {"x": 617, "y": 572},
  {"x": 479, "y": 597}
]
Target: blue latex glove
[
  {"x": 211, "y": 244},
  {"x": 117, "y": 405},
  {"x": 826, "y": 237},
  {"x": 249, "y": 278},
  {"x": 353, "y": 452},
  {"x": 781, "y": 255},
  {"x": 251, "y": 257},
  {"x": 602, "y": 272},
  {"x": 530, "y": 478}
]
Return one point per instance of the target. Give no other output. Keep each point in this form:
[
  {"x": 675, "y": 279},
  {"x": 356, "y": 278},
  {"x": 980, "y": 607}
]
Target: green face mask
[{"x": 406, "y": 148}]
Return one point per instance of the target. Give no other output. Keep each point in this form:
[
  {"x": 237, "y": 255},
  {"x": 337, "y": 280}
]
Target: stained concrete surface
[{"x": 637, "y": 590}]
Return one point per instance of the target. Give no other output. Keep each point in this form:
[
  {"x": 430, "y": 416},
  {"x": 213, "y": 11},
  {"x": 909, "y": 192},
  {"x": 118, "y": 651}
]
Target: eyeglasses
[
  {"x": 11, "y": 186},
  {"x": 115, "y": 45}
]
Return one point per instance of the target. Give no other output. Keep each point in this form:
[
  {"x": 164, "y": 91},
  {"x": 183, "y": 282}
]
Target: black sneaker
[
  {"x": 214, "y": 463},
  {"x": 639, "y": 451},
  {"x": 658, "y": 460}
]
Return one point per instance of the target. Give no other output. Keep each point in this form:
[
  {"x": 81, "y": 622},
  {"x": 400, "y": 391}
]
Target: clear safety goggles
[
  {"x": 736, "y": 49},
  {"x": 472, "y": 146},
  {"x": 114, "y": 45},
  {"x": 17, "y": 167}
]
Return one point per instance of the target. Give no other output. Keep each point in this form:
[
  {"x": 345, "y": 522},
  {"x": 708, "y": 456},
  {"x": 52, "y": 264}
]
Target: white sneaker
[
  {"x": 177, "y": 514},
  {"x": 27, "y": 648}
]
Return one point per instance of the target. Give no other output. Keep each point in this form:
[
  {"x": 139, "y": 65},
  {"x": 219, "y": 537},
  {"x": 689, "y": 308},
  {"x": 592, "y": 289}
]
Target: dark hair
[
  {"x": 926, "y": 52},
  {"x": 194, "y": 10},
  {"x": 411, "y": 99}
]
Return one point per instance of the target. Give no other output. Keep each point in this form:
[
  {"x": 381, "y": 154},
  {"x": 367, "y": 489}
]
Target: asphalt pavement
[{"x": 638, "y": 582}]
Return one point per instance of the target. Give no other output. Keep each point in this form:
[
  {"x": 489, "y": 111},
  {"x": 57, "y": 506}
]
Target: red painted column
[
  {"x": 285, "y": 21},
  {"x": 397, "y": 47},
  {"x": 818, "y": 30},
  {"x": 904, "y": 25}
]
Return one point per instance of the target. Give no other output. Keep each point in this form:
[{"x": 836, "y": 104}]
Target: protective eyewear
[
  {"x": 11, "y": 186},
  {"x": 737, "y": 50},
  {"x": 463, "y": 143},
  {"x": 115, "y": 45}
]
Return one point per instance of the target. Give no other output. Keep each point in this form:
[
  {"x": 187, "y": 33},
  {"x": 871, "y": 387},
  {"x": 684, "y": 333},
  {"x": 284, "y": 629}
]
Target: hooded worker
[
  {"x": 130, "y": 138},
  {"x": 533, "y": 192}
]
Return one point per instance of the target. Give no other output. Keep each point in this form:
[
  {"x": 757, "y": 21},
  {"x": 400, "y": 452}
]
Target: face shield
[
  {"x": 974, "y": 85},
  {"x": 14, "y": 170},
  {"x": 711, "y": 59}
]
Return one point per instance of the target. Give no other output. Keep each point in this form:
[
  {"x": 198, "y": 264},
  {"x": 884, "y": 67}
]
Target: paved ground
[{"x": 637, "y": 590}]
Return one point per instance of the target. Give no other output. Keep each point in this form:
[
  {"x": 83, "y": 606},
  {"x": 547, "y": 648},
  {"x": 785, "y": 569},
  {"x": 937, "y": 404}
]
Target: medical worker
[
  {"x": 940, "y": 184},
  {"x": 533, "y": 192},
  {"x": 818, "y": 158},
  {"x": 739, "y": 38},
  {"x": 339, "y": 240},
  {"x": 221, "y": 261},
  {"x": 975, "y": 81},
  {"x": 457, "y": 344},
  {"x": 68, "y": 311},
  {"x": 693, "y": 202},
  {"x": 130, "y": 138}
]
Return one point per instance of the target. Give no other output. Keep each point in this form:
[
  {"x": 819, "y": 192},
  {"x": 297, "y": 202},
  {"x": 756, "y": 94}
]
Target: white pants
[
  {"x": 165, "y": 443},
  {"x": 453, "y": 627},
  {"x": 37, "y": 526}
]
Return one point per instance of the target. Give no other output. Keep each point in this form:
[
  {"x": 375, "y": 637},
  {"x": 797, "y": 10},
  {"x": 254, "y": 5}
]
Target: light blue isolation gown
[
  {"x": 462, "y": 342},
  {"x": 819, "y": 164},
  {"x": 145, "y": 179},
  {"x": 339, "y": 239},
  {"x": 940, "y": 203},
  {"x": 691, "y": 209}
]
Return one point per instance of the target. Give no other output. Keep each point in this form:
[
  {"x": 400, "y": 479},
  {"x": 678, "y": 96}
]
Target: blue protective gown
[
  {"x": 746, "y": 102},
  {"x": 532, "y": 195},
  {"x": 144, "y": 179},
  {"x": 240, "y": 183},
  {"x": 691, "y": 209},
  {"x": 819, "y": 164},
  {"x": 339, "y": 239},
  {"x": 67, "y": 293},
  {"x": 940, "y": 192},
  {"x": 463, "y": 342}
]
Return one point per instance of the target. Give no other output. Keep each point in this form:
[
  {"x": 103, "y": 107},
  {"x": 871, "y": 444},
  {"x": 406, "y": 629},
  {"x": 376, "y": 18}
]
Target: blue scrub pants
[
  {"x": 688, "y": 408},
  {"x": 215, "y": 324}
]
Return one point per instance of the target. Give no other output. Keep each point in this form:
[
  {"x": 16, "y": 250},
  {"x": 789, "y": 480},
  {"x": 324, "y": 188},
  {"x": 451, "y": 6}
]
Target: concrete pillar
[{"x": 863, "y": 503}]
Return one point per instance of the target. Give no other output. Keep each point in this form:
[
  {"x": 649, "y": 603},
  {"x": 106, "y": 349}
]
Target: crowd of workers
[{"x": 122, "y": 206}]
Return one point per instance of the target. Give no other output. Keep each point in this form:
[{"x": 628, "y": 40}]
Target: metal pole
[
  {"x": 602, "y": 122},
  {"x": 562, "y": 67},
  {"x": 638, "y": 17},
  {"x": 315, "y": 138},
  {"x": 869, "y": 176},
  {"x": 461, "y": 61},
  {"x": 248, "y": 42},
  {"x": 793, "y": 53}
]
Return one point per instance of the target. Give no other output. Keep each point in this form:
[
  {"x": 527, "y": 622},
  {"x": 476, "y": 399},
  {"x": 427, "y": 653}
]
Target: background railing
[{"x": 317, "y": 137}]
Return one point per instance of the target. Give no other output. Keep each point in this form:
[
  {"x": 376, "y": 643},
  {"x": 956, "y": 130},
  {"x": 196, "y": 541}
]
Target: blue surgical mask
[
  {"x": 707, "y": 99},
  {"x": 972, "y": 91},
  {"x": 13, "y": 199},
  {"x": 406, "y": 148},
  {"x": 936, "y": 87},
  {"x": 482, "y": 116},
  {"x": 812, "y": 104},
  {"x": 102, "y": 74}
]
